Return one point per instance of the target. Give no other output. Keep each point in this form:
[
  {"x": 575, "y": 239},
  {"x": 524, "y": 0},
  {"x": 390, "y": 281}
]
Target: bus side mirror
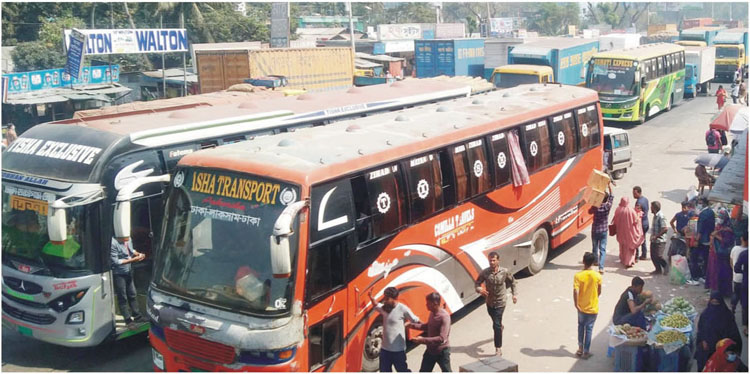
[
  {"x": 281, "y": 263},
  {"x": 57, "y": 224},
  {"x": 121, "y": 219}
]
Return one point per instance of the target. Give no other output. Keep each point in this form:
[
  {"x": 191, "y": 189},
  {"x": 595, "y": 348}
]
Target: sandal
[
  {"x": 586, "y": 355},
  {"x": 579, "y": 352}
]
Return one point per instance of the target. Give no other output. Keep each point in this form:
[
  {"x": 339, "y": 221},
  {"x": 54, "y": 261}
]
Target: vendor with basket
[{"x": 628, "y": 310}]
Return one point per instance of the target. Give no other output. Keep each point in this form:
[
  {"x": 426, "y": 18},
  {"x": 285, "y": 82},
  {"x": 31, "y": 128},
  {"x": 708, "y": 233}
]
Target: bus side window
[
  {"x": 425, "y": 185},
  {"x": 588, "y": 126},
  {"x": 480, "y": 176},
  {"x": 144, "y": 214},
  {"x": 659, "y": 62},
  {"x": 563, "y": 136},
  {"x": 449, "y": 187},
  {"x": 362, "y": 212},
  {"x": 325, "y": 267},
  {"x": 458, "y": 153},
  {"x": 387, "y": 199},
  {"x": 537, "y": 145},
  {"x": 325, "y": 341},
  {"x": 501, "y": 157}
]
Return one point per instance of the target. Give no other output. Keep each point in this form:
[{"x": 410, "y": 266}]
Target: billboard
[
  {"x": 112, "y": 41},
  {"x": 53, "y": 78},
  {"x": 500, "y": 26},
  {"x": 76, "y": 52}
]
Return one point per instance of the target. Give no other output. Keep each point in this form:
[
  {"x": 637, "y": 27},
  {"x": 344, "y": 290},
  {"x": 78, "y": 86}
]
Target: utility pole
[
  {"x": 351, "y": 33},
  {"x": 163, "y": 70},
  {"x": 111, "y": 26},
  {"x": 184, "y": 63}
]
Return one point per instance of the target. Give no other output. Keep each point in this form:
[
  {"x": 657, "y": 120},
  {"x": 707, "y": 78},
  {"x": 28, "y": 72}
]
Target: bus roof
[
  {"x": 147, "y": 122},
  {"x": 313, "y": 155},
  {"x": 641, "y": 52},
  {"x": 557, "y": 42}
]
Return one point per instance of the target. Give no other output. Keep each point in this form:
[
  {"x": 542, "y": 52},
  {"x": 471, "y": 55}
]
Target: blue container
[
  {"x": 566, "y": 56},
  {"x": 628, "y": 358},
  {"x": 449, "y": 57}
]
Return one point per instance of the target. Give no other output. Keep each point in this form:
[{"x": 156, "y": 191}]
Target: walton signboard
[{"x": 104, "y": 42}]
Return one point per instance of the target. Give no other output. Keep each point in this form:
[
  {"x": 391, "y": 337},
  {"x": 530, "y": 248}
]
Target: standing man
[
  {"x": 587, "y": 286},
  {"x": 600, "y": 228},
  {"x": 658, "y": 239},
  {"x": 122, "y": 254},
  {"x": 699, "y": 255},
  {"x": 642, "y": 202},
  {"x": 438, "y": 327},
  {"x": 737, "y": 276},
  {"x": 681, "y": 219},
  {"x": 496, "y": 280},
  {"x": 735, "y": 91},
  {"x": 395, "y": 314}
]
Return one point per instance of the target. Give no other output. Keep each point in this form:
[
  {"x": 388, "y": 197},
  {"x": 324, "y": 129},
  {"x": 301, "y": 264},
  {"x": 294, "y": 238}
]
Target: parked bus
[
  {"x": 64, "y": 181},
  {"x": 636, "y": 83},
  {"x": 270, "y": 247}
]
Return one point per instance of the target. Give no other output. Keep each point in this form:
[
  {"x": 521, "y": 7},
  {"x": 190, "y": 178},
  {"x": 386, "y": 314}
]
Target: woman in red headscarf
[
  {"x": 628, "y": 230},
  {"x": 726, "y": 358}
]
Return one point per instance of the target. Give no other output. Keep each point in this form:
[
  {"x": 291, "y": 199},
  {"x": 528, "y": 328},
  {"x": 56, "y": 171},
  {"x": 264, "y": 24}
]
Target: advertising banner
[
  {"x": 76, "y": 52},
  {"x": 499, "y": 26},
  {"x": 399, "y": 31},
  {"x": 112, "y": 41},
  {"x": 44, "y": 79}
]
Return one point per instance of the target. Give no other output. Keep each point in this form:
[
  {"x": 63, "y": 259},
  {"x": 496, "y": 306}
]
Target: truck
[
  {"x": 618, "y": 41},
  {"x": 699, "y": 36},
  {"x": 731, "y": 53},
  {"x": 699, "y": 69},
  {"x": 496, "y": 53},
  {"x": 697, "y": 22},
  {"x": 567, "y": 57},
  {"x": 451, "y": 57},
  {"x": 311, "y": 69}
]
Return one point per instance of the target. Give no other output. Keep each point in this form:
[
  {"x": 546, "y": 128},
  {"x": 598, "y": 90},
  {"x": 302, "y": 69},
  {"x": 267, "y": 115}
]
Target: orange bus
[{"x": 270, "y": 247}]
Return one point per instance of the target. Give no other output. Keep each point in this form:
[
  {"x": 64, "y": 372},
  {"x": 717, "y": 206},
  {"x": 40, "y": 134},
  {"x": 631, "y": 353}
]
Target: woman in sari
[
  {"x": 629, "y": 231},
  {"x": 716, "y": 322},
  {"x": 726, "y": 359},
  {"x": 719, "y": 269}
]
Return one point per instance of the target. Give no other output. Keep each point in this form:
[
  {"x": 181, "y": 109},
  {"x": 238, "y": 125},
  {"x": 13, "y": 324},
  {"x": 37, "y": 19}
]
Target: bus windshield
[
  {"x": 613, "y": 77},
  {"x": 507, "y": 80},
  {"x": 216, "y": 244},
  {"x": 25, "y": 239},
  {"x": 726, "y": 52}
]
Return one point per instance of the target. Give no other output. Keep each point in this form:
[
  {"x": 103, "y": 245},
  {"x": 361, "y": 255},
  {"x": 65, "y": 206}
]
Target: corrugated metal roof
[
  {"x": 382, "y": 58},
  {"x": 62, "y": 94},
  {"x": 730, "y": 185}
]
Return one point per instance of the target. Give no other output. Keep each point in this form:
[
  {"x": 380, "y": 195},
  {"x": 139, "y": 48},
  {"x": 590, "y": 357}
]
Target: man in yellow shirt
[{"x": 587, "y": 286}]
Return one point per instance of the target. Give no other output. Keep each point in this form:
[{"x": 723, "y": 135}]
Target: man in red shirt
[{"x": 438, "y": 328}]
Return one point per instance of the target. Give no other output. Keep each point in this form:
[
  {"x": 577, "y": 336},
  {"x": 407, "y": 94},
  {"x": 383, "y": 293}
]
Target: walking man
[
  {"x": 658, "y": 239},
  {"x": 642, "y": 202},
  {"x": 438, "y": 327},
  {"x": 122, "y": 255},
  {"x": 587, "y": 286},
  {"x": 395, "y": 314},
  {"x": 699, "y": 256},
  {"x": 496, "y": 279},
  {"x": 600, "y": 228}
]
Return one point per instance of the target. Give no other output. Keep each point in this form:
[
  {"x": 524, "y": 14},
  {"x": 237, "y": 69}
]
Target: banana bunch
[
  {"x": 676, "y": 320},
  {"x": 670, "y": 336}
]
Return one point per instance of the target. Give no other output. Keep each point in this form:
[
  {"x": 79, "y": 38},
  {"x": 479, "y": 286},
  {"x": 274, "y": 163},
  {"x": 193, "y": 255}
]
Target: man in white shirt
[
  {"x": 395, "y": 314},
  {"x": 737, "y": 277}
]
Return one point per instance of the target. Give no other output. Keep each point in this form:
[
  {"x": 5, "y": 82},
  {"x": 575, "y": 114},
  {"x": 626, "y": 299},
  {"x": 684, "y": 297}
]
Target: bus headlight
[
  {"x": 158, "y": 359},
  {"x": 629, "y": 105},
  {"x": 75, "y": 318},
  {"x": 66, "y": 301},
  {"x": 272, "y": 357}
]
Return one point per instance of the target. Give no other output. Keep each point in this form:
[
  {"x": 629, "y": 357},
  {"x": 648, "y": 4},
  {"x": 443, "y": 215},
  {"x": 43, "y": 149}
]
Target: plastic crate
[{"x": 628, "y": 358}]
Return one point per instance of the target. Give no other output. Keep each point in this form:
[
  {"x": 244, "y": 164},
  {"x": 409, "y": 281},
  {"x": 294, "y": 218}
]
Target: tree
[
  {"x": 412, "y": 13},
  {"x": 28, "y": 56},
  {"x": 553, "y": 19},
  {"x": 618, "y": 15},
  {"x": 51, "y": 32}
]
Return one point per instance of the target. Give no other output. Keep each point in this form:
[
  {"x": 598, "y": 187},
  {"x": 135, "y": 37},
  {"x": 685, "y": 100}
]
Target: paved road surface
[{"x": 540, "y": 331}]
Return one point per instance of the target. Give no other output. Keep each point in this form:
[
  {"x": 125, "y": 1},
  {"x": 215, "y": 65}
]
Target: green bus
[{"x": 636, "y": 83}]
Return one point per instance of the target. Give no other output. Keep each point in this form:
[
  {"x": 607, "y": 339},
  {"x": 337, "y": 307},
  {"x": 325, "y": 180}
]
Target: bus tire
[
  {"x": 371, "y": 348},
  {"x": 618, "y": 174},
  {"x": 539, "y": 250}
]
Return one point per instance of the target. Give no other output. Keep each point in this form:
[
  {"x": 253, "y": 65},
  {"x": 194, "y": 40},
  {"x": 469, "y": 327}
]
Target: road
[{"x": 540, "y": 331}]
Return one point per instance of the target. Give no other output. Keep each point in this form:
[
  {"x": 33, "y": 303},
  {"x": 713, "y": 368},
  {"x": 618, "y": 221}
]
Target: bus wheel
[
  {"x": 371, "y": 349},
  {"x": 539, "y": 250},
  {"x": 617, "y": 174}
]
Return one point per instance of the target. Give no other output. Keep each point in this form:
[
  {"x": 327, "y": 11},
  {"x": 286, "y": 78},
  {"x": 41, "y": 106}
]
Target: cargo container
[
  {"x": 496, "y": 53},
  {"x": 699, "y": 69},
  {"x": 706, "y": 34},
  {"x": 697, "y": 22},
  {"x": 618, "y": 41},
  {"x": 449, "y": 57},
  {"x": 319, "y": 69},
  {"x": 567, "y": 57},
  {"x": 655, "y": 29},
  {"x": 731, "y": 53}
]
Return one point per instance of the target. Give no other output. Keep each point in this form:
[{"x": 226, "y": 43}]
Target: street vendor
[{"x": 628, "y": 310}]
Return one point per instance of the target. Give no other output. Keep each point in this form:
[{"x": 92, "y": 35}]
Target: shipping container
[
  {"x": 449, "y": 57},
  {"x": 700, "y": 64},
  {"x": 697, "y": 22},
  {"x": 318, "y": 69},
  {"x": 567, "y": 57},
  {"x": 618, "y": 41},
  {"x": 496, "y": 53}
]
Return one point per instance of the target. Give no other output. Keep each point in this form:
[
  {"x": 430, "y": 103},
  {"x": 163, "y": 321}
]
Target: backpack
[{"x": 711, "y": 138}]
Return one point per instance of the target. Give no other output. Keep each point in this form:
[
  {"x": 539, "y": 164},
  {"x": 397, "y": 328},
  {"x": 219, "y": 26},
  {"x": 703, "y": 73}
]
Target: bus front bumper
[
  {"x": 166, "y": 359},
  {"x": 626, "y": 115}
]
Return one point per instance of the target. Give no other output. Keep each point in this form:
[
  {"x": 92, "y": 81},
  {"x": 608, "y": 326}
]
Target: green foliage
[
  {"x": 553, "y": 19},
  {"x": 51, "y": 32},
  {"x": 412, "y": 13},
  {"x": 30, "y": 56}
]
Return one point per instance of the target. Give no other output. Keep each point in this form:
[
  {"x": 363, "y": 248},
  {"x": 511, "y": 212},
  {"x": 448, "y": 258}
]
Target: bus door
[{"x": 332, "y": 238}]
